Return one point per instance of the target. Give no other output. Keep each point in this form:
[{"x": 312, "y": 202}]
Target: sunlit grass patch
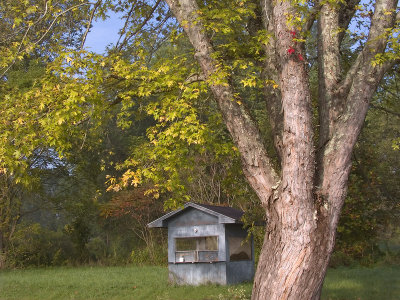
[
  {"x": 103, "y": 283},
  {"x": 152, "y": 283},
  {"x": 362, "y": 283}
]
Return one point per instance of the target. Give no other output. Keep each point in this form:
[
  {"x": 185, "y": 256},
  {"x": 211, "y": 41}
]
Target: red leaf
[
  {"x": 290, "y": 50},
  {"x": 300, "y": 57},
  {"x": 293, "y": 33}
]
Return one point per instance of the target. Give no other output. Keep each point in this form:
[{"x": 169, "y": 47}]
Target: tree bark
[{"x": 303, "y": 201}]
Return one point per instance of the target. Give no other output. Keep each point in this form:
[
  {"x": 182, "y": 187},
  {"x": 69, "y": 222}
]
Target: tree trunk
[
  {"x": 291, "y": 265},
  {"x": 294, "y": 258},
  {"x": 2, "y": 252}
]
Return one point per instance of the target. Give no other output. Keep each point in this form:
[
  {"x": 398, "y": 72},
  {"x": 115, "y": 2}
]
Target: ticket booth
[{"x": 207, "y": 244}]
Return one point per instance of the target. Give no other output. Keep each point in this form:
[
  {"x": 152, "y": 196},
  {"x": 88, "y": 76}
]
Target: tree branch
[
  {"x": 89, "y": 23},
  {"x": 391, "y": 112},
  {"x": 356, "y": 90},
  {"x": 298, "y": 151},
  {"x": 19, "y": 51},
  {"x": 375, "y": 44},
  {"x": 128, "y": 16},
  {"x": 257, "y": 165},
  {"x": 311, "y": 17},
  {"x": 346, "y": 13},
  {"x": 24, "y": 37},
  {"x": 128, "y": 37},
  {"x": 328, "y": 70},
  {"x": 195, "y": 78},
  {"x": 271, "y": 72}
]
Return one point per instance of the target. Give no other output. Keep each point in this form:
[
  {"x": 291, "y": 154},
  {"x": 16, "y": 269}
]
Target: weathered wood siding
[
  {"x": 198, "y": 273},
  {"x": 239, "y": 271}
]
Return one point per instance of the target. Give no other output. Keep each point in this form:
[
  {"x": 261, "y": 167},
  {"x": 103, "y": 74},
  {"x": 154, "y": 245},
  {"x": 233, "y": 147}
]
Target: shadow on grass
[{"x": 362, "y": 283}]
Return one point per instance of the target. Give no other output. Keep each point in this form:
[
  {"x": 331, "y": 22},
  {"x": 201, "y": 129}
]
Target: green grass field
[{"x": 151, "y": 283}]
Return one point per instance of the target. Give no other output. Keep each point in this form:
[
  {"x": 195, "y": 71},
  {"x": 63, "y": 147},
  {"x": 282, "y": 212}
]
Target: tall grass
[{"x": 151, "y": 283}]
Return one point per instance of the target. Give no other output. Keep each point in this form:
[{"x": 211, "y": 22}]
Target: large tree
[{"x": 304, "y": 197}]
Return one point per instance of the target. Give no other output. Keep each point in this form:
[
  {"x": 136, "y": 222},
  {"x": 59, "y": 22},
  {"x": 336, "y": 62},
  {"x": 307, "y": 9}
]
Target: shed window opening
[
  {"x": 239, "y": 249},
  {"x": 196, "y": 249}
]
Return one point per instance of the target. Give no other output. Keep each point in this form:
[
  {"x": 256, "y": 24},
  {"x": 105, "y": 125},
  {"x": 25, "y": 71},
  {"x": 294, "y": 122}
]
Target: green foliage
[
  {"x": 238, "y": 293},
  {"x": 30, "y": 27},
  {"x": 33, "y": 245},
  {"x": 79, "y": 232},
  {"x": 144, "y": 256},
  {"x": 188, "y": 126},
  {"x": 358, "y": 230},
  {"x": 10, "y": 205},
  {"x": 133, "y": 210},
  {"x": 372, "y": 211}
]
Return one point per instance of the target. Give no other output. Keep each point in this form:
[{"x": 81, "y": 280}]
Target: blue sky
[{"x": 103, "y": 33}]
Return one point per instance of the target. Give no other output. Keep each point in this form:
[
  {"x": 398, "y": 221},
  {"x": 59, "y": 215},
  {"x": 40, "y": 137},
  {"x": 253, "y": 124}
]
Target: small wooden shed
[{"x": 207, "y": 244}]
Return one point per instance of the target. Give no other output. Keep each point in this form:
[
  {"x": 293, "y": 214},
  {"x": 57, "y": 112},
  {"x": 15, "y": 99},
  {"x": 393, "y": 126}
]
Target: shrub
[
  {"x": 145, "y": 256},
  {"x": 33, "y": 245},
  {"x": 97, "y": 249}
]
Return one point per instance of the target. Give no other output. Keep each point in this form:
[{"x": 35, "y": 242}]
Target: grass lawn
[
  {"x": 379, "y": 283},
  {"x": 151, "y": 283}
]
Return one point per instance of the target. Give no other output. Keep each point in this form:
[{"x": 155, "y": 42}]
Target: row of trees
[{"x": 253, "y": 104}]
